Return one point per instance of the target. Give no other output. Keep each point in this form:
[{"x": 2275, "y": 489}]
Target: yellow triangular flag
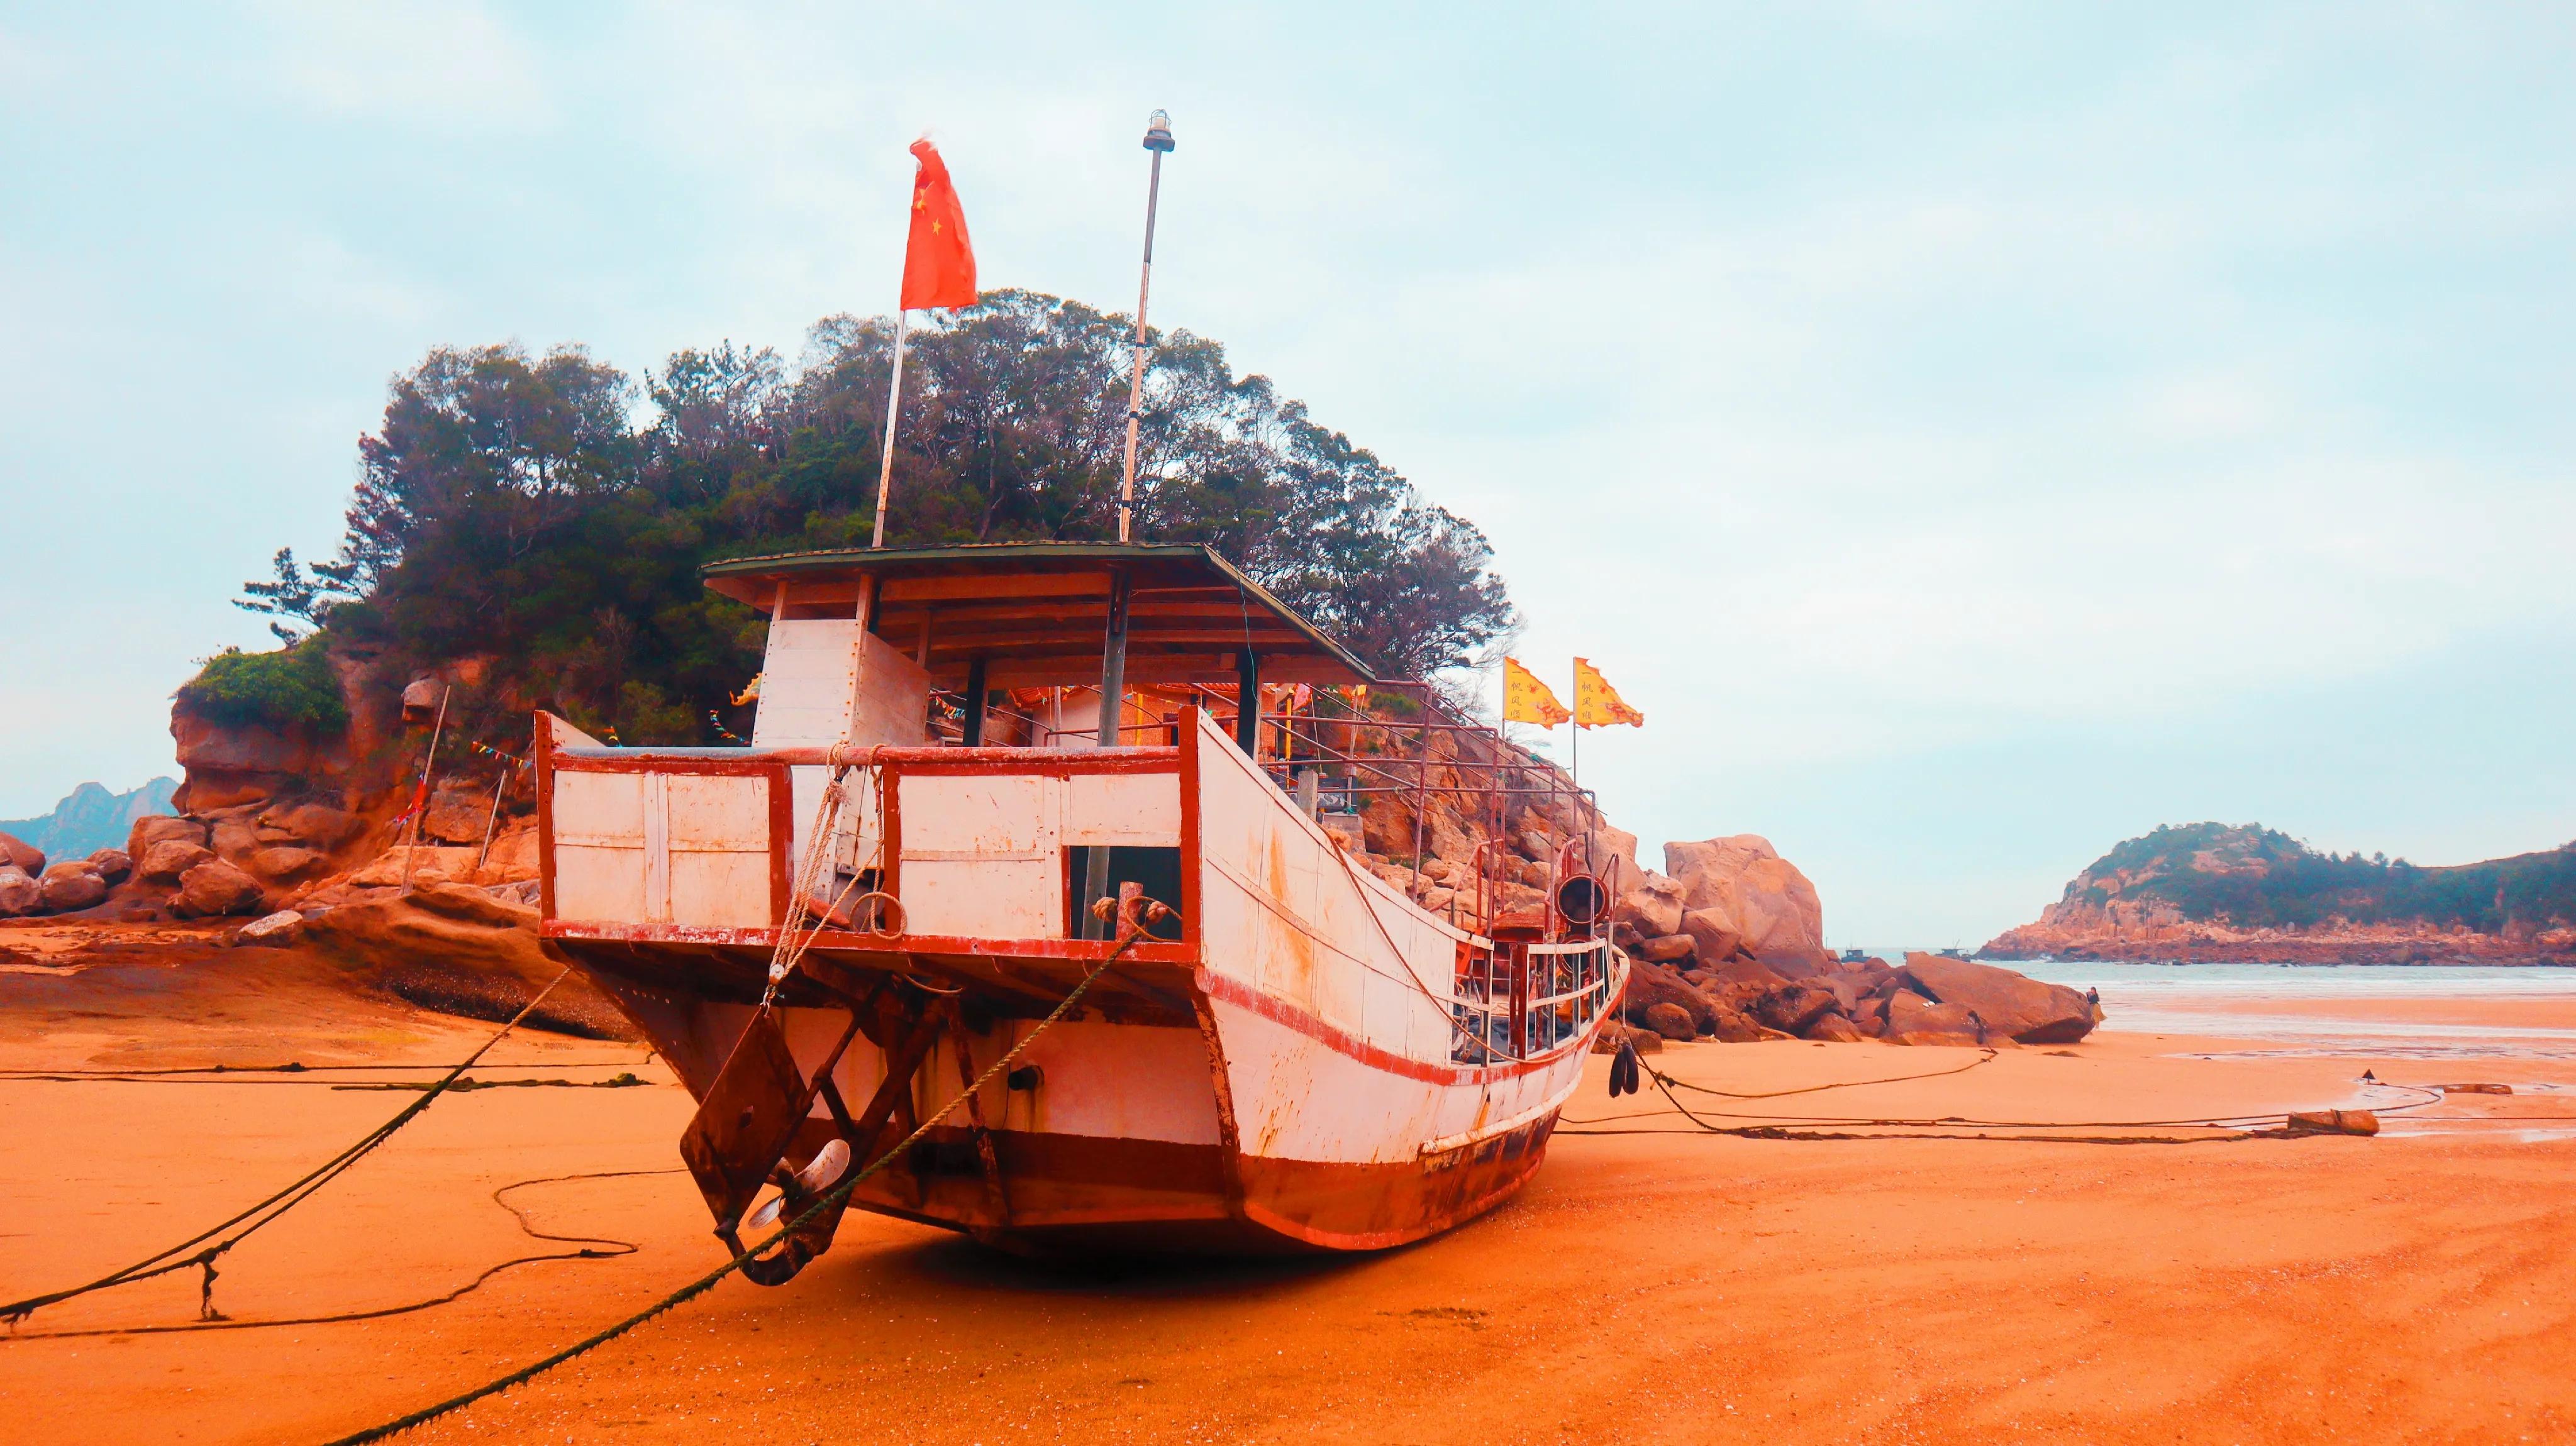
[
  {"x": 1596, "y": 702},
  {"x": 1527, "y": 700}
]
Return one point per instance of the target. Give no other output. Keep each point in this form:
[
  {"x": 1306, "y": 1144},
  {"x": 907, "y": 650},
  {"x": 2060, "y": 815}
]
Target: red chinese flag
[{"x": 938, "y": 262}]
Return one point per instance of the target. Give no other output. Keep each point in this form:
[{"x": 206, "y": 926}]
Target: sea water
[{"x": 2224, "y": 1001}]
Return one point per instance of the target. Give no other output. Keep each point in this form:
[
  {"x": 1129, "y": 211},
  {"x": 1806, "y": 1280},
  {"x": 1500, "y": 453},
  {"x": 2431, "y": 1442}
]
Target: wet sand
[{"x": 2420, "y": 1286}]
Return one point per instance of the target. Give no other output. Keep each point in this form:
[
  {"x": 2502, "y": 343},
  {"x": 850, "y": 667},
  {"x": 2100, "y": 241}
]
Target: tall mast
[{"x": 1158, "y": 139}]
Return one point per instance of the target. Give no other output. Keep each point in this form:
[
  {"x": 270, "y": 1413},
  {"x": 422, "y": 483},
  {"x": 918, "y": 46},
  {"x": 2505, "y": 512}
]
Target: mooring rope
[
  {"x": 259, "y": 1215},
  {"x": 836, "y": 1196},
  {"x": 1849, "y": 1084},
  {"x": 526, "y": 1227},
  {"x": 1826, "y": 1127}
]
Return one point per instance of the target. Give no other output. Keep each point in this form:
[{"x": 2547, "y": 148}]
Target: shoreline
[{"x": 1965, "y": 1279}]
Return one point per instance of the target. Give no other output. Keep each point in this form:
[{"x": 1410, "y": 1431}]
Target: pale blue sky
[{"x": 1973, "y": 434}]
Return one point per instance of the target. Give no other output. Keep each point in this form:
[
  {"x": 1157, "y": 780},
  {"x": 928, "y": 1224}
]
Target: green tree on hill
[
  {"x": 548, "y": 512},
  {"x": 2255, "y": 877}
]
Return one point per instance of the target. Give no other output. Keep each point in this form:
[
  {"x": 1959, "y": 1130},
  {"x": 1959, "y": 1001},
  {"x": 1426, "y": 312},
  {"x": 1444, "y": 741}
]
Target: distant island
[{"x": 2211, "y": 893}]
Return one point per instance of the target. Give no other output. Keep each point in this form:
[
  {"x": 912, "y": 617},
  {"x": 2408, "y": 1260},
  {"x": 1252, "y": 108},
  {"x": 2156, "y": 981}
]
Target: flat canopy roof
[{"x": 1037, "y": 613}]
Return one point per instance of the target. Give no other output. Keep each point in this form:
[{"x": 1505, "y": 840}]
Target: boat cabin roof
[{"x": 1035, "y": 613}]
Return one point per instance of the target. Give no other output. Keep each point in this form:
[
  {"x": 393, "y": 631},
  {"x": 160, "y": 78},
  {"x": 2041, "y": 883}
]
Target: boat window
[{"x": 1157, "y": 871}]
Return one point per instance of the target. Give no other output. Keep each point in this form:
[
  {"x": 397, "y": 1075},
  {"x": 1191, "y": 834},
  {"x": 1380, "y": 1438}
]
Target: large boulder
[
  {"x": 1750, "y": 975},
  {"x": 1671, "y": 1021},
  {"x": 514, "y": 853},
  {"x": 281, "y": 862},
  {"x": 154, "y": 828},
  {"x": 1869, "y": 976},
  {"x": 2011, "y": 1004},
  {"x": 1663, "y": 949},
  {"x": 1791, "y": 1008},
  {"x": 462, "y": 950},
  {"x": 112, "y": 865},
  {"x": 1770, "y": 904},
  {"x": 72, "y": 884},
  {"x": 1650, "y": 984},
  {"x": 1912, "y": 1019},
  {"x": 457, "y": 813},
  {"x": 233, "y": 833},
  {"x": 1733, "y": 1026},
  {"x": 164, "y": 862},
  {"x": 279, "y": 928},
  {"x": 1653, "y": 904},
  {"x": 21, "y": 855},
  {"x": 1614, "y": 859},
  {"x": 313, "y": 825},
  {"x": 214, "y": 888},
  {"x": 20, "y": 893},
  {"x": 1833, "y": 1029},
  {"x": 434, "y": 863},
  {"x": 1713, "y": 934},
  {"x": 231, "y": 764}
]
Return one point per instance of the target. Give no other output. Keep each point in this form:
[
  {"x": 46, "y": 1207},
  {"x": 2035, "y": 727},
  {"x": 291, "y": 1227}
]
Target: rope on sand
[
  {"x": 259, "y": 1215},
  {"x": 1849, "y": 1084},
  {"x": 830, "y": 1199},
  {"x": 1948, "y": 1127},
  {"x": 526, "y": 1227}
]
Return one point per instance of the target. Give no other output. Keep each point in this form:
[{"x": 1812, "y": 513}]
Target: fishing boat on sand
[{"x": 924, "y": 850}]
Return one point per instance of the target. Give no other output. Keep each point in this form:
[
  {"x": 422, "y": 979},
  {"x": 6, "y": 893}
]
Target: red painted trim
[
  {"x": 544, "y": 750},
  {"x": 1188, "y": 903},
  {"x": 1279, "y": 1011},
  {"x": 1055, "y": 762},
  {"x": 890, "y": 830},
  {"x": 1043, "y": 762},
  {"x": 1069, "y": 951},
  {"x": 782, "y": 838},
  {"x": 669, "y": 763}
]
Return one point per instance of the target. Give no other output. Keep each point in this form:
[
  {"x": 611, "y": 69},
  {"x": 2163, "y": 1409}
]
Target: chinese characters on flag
[
  {"x": 1596, "y": 702},
  {"x": 1527, "y": 700}
]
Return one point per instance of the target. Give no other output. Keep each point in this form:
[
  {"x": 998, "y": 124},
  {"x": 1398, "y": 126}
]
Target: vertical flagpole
[
  {"x": 894, "y": 410},
  {"x": 1158, "y": 139}
]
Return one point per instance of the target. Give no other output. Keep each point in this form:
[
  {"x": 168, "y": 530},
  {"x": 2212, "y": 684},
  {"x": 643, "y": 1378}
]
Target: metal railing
[{"x": 1520, "y": 1001}]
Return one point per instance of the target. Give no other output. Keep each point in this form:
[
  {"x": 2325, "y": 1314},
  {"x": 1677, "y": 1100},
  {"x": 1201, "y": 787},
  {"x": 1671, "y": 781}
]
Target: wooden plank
[{"x": 984, "y": 585}]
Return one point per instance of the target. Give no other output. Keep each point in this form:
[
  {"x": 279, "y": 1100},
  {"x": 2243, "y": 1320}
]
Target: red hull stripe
[
  {"x": 1279, "y": 1011},
  {"x": 898, "y": 946}
]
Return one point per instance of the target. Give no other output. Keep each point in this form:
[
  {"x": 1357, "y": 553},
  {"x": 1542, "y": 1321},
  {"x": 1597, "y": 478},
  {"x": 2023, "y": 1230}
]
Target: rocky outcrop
[
  {"x": 459, "y": 948},
  {"x": 1929, "y": 1001},
  {"x": 2001, "y": 1001},
  {"x": 154, "y": 829},
  {"x": 20, "y": 892},
  {"x": 213, "y": 889},
  {"x": 72, "y": 884},
  {"x": 1741, "y": 886},
  {"x": 2209, "y": 893},
  {"x": 230, "y": 764},
  {"x": 165, "y": 861},
  {"x": 18, "y": 854},
  {"x": 1724, "y": 904}
]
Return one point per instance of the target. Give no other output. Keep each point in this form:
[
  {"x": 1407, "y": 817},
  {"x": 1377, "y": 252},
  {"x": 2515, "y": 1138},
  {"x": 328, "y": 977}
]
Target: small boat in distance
[{"x": 957, "y": 752}]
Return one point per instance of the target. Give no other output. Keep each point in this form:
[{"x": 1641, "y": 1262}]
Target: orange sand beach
[{"x": 1664, "y": 1285}]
